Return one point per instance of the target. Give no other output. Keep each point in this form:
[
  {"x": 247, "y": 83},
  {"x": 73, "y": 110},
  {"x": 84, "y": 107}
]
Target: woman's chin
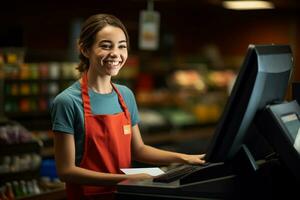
[{"x": 113, "y": 72}]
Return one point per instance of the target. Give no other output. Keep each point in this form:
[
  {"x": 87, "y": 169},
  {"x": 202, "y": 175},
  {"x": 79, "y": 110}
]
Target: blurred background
[{"x": 183, "y": 60}]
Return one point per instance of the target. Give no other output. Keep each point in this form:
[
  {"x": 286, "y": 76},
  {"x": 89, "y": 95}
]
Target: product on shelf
[
  {"x": 178, "y": 117},
  {"x": 220, "y": 79},
  {"x": 20, "y": 164},
  {"x": 69, "y": 70},
  {"x": 207, "y": 113},
  {"x": 12, "y": 55},
  {"x": 30, "y": 87},
  {"x": 54, "y": 71},
  {"x": 151, "y": 117},
  {"x": 188, "y": 79},
  {"x": 14, "y": 133},
  {"x": 21, "y": 188}
]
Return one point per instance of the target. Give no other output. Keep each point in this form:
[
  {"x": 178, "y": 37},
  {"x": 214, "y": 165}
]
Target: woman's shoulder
[{"x": 69, "y": 94}]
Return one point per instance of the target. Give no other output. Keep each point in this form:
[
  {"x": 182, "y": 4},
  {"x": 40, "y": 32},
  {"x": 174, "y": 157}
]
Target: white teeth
[{"x": 113, "y": 62}]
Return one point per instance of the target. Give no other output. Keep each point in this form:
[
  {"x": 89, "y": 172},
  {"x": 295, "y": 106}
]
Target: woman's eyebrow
[
  {"x": 122, "y": 41},
  {"x": 102, "y": 41}
]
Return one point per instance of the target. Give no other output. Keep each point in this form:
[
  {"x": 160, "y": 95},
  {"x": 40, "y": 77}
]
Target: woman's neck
[{"x": 98, "y": 83}]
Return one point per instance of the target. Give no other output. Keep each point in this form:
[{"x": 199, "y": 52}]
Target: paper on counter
[{"x": 153, "y": 171}]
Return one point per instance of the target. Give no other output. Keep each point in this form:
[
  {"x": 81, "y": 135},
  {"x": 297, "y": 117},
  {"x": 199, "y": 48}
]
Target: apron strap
[
  {"x": 85, "y": 96},
  {"x": 121, "y": 101}
]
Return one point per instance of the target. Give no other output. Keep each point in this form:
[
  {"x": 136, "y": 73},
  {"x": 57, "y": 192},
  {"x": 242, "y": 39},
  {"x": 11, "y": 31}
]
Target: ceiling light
[{"x": 247, "y": 5}]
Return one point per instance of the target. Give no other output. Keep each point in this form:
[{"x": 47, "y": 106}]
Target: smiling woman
[
  {"x": 95, "y": 122},
  {"x": 109, "y": 52}
]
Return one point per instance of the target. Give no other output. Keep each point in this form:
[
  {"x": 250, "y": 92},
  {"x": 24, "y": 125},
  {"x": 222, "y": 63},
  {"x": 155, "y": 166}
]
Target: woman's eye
[
  {"x": 123, "y": 47},
  {"x": 105, "y": 46}
]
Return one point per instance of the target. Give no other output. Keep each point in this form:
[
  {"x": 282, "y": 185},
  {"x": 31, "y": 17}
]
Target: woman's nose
[{"x": 114, "y": 52}]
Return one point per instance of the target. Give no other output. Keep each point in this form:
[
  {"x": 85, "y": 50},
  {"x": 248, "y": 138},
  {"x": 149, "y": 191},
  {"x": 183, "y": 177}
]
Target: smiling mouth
[{"x": 113, "y": 63}]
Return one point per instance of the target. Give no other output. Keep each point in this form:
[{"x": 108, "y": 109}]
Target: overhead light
[{"x": 248, "y": 5}]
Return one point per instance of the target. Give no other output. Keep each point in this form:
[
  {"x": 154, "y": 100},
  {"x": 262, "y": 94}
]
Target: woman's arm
[
  {"x": 64, "y": 150},
  {"x": 151, "y": 155}
]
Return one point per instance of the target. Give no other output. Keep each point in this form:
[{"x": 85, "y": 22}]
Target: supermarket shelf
[
  {"x": 21, "y": 148},
  {"x": 29, "y": 114},
  {"x": 21, "y": 175},
  {"x": 57, "y": 194},
  {"x": 203, "y": 133}
]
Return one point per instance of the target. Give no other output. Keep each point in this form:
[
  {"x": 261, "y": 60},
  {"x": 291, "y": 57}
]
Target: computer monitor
[
  {"x": 262, "y": 80},
  {"x": 280, "y": 124}
]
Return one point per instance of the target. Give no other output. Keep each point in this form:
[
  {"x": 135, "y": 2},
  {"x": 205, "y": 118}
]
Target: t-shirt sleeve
[
  {"x": 135, "y": 114},
  {"x": 62, "y": 114}
]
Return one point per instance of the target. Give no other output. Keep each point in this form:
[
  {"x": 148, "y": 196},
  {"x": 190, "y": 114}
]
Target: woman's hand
[{"x": 194, "y": 159}]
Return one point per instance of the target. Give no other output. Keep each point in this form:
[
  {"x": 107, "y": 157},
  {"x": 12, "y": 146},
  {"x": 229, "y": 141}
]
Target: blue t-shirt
[{"x": 67, "y": 111}]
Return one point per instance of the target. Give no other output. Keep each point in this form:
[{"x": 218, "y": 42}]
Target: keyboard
[{"x": 176, "y": 173}]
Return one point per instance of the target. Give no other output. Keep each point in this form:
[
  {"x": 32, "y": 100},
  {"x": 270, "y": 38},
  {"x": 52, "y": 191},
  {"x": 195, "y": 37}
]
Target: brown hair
[{"x": 88, "y": 34}]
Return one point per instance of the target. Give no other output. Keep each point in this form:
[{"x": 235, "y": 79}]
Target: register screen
[{"x": 292, "y": 123}]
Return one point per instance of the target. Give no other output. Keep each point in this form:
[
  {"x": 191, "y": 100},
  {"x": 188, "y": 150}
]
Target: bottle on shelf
[{"x": 9, "y": 191}]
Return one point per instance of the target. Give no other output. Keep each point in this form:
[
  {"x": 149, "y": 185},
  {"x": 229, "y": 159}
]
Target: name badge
[{"x": 127, "y": 129}]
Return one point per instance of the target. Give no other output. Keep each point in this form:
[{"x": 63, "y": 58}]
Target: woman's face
[{"x": 109, "y": 52}]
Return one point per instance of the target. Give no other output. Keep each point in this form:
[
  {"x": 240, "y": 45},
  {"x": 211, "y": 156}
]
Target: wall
[{"x": 44, "y": 27}]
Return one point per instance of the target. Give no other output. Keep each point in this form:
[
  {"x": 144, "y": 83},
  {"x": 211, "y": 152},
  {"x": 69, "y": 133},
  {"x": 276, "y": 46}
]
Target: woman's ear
[{"x": 83, "y": 51}]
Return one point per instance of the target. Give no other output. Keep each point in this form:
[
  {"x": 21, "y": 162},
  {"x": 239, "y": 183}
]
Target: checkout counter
[{"x": 276, "y": 176}]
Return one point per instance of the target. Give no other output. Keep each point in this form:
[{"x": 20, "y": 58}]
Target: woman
[{"x": 95, "y": 122}]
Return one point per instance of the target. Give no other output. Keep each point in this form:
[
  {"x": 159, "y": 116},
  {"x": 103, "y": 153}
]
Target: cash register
[{"x": 243, "y": 154}]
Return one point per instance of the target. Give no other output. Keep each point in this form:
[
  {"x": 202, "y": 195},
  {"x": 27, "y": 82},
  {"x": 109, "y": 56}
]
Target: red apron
[{"x": 106, "y": 148}]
